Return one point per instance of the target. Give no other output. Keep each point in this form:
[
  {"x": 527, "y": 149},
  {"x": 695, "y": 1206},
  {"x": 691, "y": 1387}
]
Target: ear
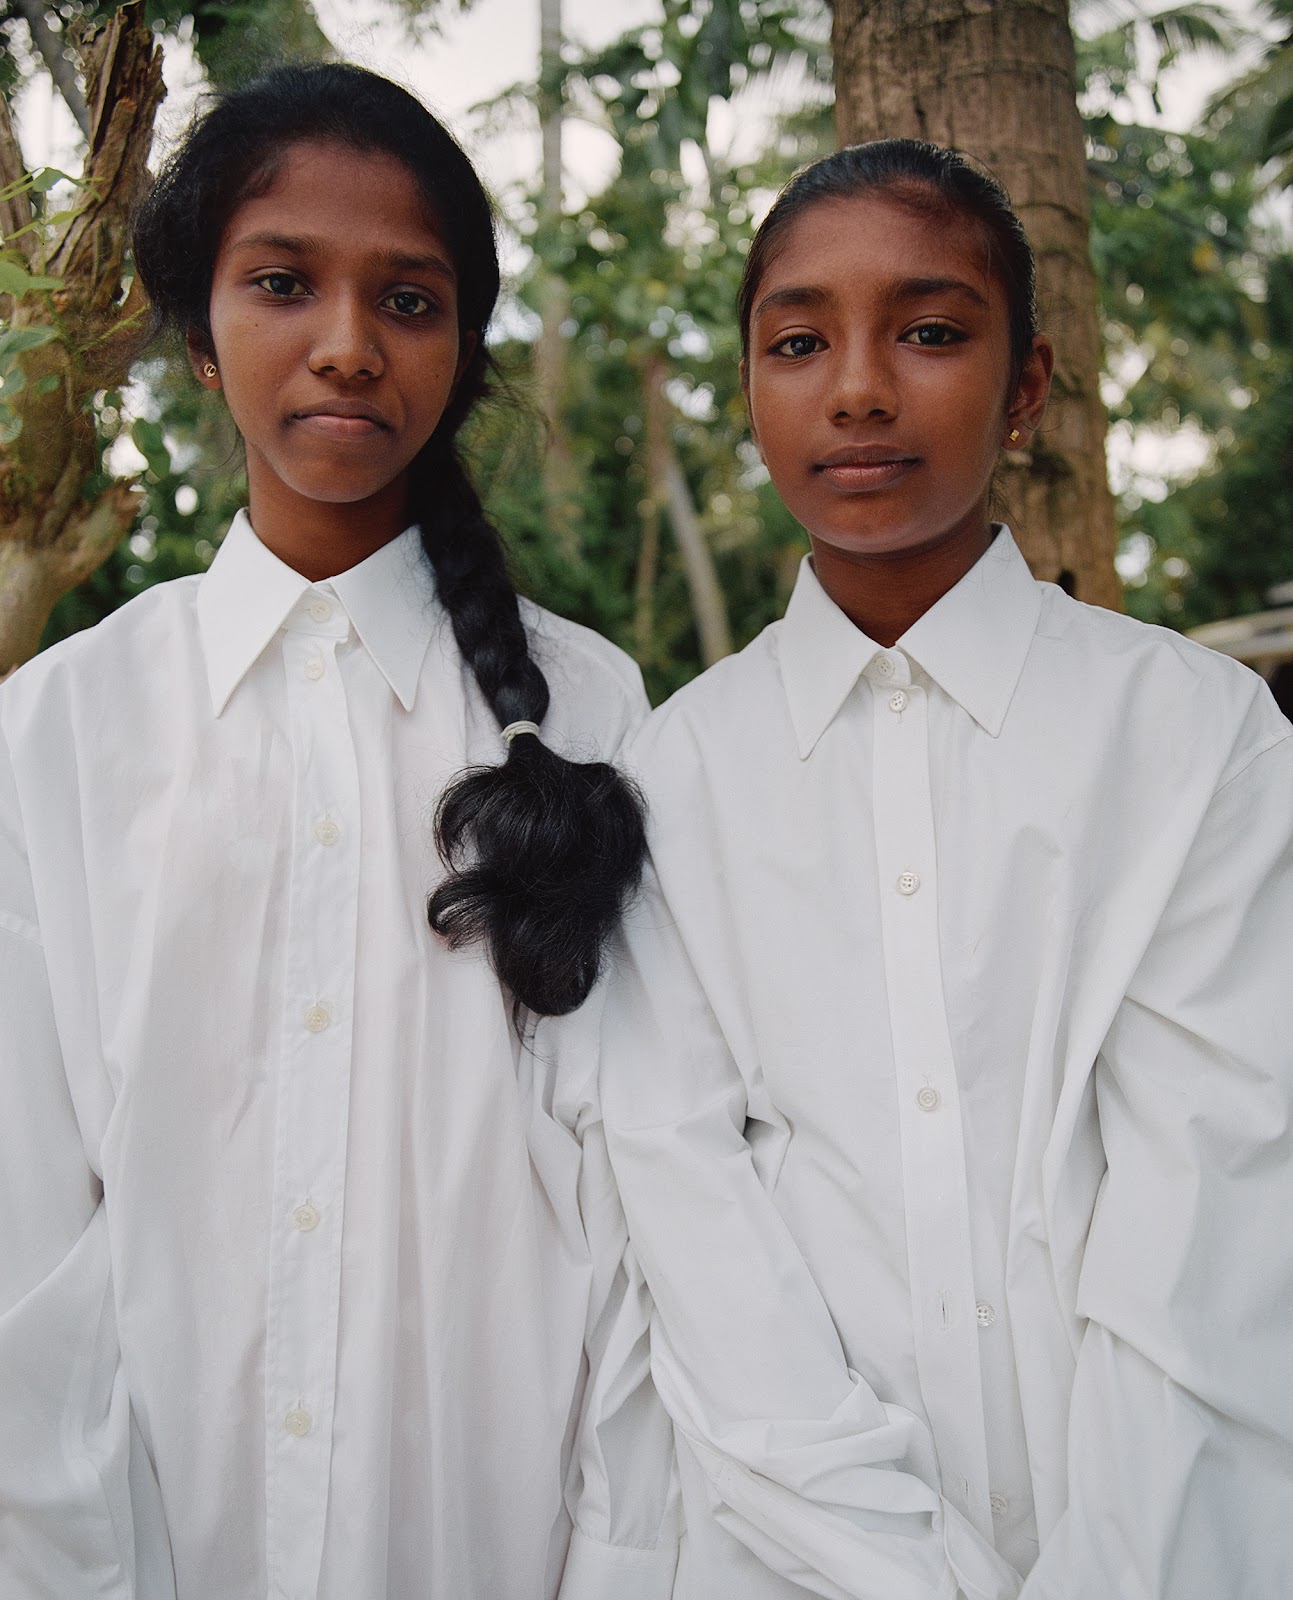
[
  {"x": 1034, "y": 387},
  {"x": 202, "y": 360}
]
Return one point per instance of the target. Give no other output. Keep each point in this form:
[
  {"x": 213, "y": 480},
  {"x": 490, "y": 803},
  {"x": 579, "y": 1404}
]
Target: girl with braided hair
[{"x": 311, "y": 1271}]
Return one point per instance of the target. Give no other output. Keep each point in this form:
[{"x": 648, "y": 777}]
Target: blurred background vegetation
[{"x": 617, "y": 461}]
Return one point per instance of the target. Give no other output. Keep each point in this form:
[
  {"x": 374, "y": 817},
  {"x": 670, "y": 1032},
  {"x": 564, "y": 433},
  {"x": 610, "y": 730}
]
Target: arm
[
  {"x": 65, "y": 1515},
  {"x": 806, "y": 1466},
  {"x": 1181, "y": 1424},
  {"x": 622, "y": 1490}
]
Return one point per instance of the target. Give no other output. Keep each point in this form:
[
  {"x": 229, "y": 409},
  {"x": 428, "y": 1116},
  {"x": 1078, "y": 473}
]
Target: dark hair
[
  {"x": 930, "y": 179},
  {"x": 543, "y": 852}
]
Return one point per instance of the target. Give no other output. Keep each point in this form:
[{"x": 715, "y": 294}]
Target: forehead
[
  {"x": 325, "y": 189},
  {"x": 865, "y": 244}
]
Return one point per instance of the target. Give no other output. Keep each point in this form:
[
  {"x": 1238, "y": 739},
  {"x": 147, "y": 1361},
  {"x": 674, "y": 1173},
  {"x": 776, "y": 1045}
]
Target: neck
[
  {"x": 884, "y": 593},
  {"x": 320, "y": 538}
]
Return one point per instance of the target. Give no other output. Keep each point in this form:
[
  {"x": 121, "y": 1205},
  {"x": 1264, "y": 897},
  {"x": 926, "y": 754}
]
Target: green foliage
[
  {"x": 233, "y": 38},
  {"x": 1194, "y": 338},
  {"x": 193, "y": 460},
  {"x": 1197, "y": 304},
  {"x": 1256, "y": 112}
]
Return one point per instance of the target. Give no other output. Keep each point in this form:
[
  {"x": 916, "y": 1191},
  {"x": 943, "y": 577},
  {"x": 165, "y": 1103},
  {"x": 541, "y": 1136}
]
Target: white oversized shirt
[
  {"x": 949, "y": 1088},
  {"x": 299, "y": 1249}
]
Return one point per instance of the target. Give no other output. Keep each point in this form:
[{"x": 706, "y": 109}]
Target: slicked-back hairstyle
[
  {"x": 543, "y": 853},
  {"x": 932, "y": 181}
]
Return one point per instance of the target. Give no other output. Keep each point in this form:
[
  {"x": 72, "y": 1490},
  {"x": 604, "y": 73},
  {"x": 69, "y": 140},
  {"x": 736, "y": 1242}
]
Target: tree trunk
[
  {"x": 648, "y": 564},
  {"x": 668, "y": 487},
  {"x": 52, "y": 536},
  {"x": 559, "y": 479},
  {"x": 995, "y": 78}
]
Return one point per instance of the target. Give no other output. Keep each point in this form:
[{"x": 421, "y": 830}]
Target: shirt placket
[
  {"x": 936, "y": 1195},
  {"x": 313, "y": 1099}
]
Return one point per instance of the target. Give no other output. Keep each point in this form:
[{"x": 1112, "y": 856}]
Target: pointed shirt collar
[
  {"x": 248, "y": 594},
  {"x": 972, "y": 643}
]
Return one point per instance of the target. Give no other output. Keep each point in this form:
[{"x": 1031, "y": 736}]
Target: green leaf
[
  {"x": 13, "y": 341},
  {"x": 151, "y": 444},
  {"x": 44, "y": 180},
  {"x": 15, "y": 381},
  {"x": 17, "y": 281},
  {"x": 48, "y": 383}
]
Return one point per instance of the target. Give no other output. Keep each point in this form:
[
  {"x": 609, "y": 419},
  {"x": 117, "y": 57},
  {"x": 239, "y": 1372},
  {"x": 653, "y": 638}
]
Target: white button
[
  {"x": 306, "y": 1217},
  {"x": 928, "y": 1099},
  {"x": 884, "y": 666},
  {"x": 986, "y": 1315},
  {"x": 908, "y": 883},
  {"x": 314, "y": 668},
  {"x": 317, "y": 1018},
  {"x": 298, "y": 1421},
  {"x": 326, "y": 831},
  {"x": 1000, "y": 1505},
  {"x": 320, "y": 609},
  {"x": 897, "y": 701}
]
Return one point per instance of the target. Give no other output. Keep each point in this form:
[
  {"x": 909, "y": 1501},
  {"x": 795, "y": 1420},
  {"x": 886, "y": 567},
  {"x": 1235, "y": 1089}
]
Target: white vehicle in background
[{"x": 1262, "y": 641}]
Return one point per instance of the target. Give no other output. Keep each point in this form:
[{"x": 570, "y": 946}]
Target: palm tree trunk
[{"x": 995, "y": 78}]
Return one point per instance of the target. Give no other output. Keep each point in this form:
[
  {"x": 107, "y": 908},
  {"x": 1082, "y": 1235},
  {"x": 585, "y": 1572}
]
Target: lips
[
  {"x": 859, "y": 467},
  {"x": 341, "y": 419}
]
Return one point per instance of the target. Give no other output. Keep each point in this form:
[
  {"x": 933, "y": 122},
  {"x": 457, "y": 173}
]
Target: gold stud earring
[
  {"x": 1014, "y": 435},
  {"x": 210, "y": 370}
]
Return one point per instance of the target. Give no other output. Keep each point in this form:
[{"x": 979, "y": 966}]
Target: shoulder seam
[{"x": 1271, "y": 742}]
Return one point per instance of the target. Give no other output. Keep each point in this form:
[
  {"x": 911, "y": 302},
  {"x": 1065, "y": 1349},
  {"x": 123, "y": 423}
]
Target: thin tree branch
[{"x": 49, "y": 47}]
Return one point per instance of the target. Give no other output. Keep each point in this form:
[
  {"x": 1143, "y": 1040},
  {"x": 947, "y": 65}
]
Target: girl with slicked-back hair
[
  {"x": 949, "y": 1090},
  {"x": 311, "y": 1272}
]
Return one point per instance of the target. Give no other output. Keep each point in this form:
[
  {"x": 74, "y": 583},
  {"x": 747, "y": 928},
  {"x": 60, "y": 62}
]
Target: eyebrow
[
  {"x": 810, "y": 298},
  {"x": 306, "y": 245},
  {"x": 793, "y": 298},
  {"x": 918, "y": 288}
]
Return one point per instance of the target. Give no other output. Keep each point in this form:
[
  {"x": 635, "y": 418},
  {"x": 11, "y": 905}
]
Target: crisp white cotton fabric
[
  {"x": 299, "y": 1249},
  {"x": 948, "y": 1089}
]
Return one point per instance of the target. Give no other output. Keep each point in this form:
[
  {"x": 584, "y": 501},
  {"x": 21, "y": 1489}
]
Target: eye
[
  {"x": 797, "y": 345},
  {"x": 408, "y": 303},
  {"x": 281, "y": 285},
  {"x": 932, "y": 335}
]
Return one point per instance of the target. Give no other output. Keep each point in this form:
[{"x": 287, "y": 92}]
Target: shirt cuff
[{"x": 595, "y": 1570}]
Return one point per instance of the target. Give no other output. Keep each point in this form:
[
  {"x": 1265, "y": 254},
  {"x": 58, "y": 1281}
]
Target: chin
[{"x": 331, "y": 492}]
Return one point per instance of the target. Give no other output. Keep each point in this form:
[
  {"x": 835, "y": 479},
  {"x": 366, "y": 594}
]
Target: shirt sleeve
[
  {"x": 623, "y": 1494},
  {"x": 807, "y": 1467},
  {"x": 65, "y": 1515},
  {"x": 1181, "y": 1422}
]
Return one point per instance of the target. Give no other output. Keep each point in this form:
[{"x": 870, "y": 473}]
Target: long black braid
[{"x": 542, "y": 852}]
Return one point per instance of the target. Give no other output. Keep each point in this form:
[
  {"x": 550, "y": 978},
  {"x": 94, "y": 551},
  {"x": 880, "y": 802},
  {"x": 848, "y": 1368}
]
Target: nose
[
  {"x": 864, "y": 384},
  {"x": 346, "y": 343}
]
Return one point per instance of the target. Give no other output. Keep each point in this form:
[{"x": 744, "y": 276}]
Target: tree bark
[
  {"x": 995, "y": 79},
  {"x": 669, "y": 488},
  {"x": 52, "y": 536}
]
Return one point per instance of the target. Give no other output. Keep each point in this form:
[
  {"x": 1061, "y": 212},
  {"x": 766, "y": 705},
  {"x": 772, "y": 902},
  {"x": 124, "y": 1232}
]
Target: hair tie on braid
[{"x": 513, "y": 728}]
